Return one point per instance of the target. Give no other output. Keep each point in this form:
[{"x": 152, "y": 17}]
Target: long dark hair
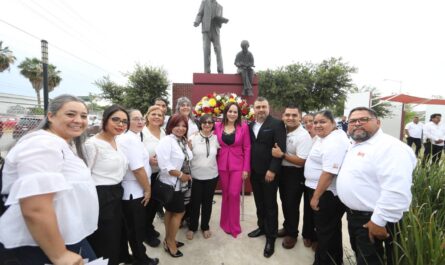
[{"x": 226, "y": 109}]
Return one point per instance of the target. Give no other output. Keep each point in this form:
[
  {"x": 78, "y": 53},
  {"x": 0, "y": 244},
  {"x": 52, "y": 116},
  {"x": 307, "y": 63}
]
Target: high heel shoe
[{"x": 174, "y": 255}]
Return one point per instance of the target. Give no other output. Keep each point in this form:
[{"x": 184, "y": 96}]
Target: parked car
[{"x": 25, "y": 125}]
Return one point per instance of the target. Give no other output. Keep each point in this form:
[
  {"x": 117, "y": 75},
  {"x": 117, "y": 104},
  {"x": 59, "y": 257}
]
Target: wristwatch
[{"x": 283, "y": 155}]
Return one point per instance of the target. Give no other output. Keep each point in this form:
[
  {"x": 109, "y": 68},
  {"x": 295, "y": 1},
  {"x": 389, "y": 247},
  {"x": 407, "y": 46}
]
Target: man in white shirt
[
  {"x": 433, "y": 136},
  {"x": 413, "y": 131},
  {"x": 291, "y": 181},
  {"x": 374, "y": 183}
]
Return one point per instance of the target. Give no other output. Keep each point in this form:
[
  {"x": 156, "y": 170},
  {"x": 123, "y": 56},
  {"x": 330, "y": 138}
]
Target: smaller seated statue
[{"x": 244, "y": 62}]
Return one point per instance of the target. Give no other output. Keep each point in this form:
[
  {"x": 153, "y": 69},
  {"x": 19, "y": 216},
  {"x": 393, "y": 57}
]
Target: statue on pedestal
[
  {"x": 245, "y": 63},
  {"x": 210, "y": 16}
]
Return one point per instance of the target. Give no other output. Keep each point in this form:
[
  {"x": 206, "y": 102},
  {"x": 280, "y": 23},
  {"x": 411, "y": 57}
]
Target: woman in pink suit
[{"x": 233, "y": 165}]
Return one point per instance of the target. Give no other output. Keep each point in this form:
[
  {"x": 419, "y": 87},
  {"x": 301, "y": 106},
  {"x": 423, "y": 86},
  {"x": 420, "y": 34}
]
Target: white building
[{"x": 16, "y": 104}]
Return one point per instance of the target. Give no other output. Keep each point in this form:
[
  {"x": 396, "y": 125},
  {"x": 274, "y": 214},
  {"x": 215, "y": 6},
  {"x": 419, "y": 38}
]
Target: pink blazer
[{"x": 235, "y": 157}]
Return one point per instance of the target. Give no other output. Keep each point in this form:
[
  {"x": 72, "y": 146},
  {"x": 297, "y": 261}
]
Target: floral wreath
[{"x": 214, "y": 104}]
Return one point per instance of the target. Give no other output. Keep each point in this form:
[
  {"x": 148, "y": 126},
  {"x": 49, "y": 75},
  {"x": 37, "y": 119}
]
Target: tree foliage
[
  {"x": 6, "y": 58},
  {"x": 310, "y": 86},
  {"x": 145, "y": 84}
]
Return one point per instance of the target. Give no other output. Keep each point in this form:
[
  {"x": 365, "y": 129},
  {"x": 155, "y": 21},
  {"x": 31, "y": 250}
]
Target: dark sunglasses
[{"x": 207, "y": 122}]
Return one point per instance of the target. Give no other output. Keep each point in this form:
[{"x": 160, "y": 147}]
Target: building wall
[{"x": 16, "y": 101}]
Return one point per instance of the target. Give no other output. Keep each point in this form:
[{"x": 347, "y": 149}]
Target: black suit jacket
[{"x": 272, "y": 131}]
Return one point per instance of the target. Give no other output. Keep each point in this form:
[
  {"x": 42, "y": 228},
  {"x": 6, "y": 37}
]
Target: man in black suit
[{"x": 264, "y": 133}]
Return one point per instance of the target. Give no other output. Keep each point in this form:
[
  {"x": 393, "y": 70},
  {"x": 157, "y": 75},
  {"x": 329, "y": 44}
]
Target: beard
[{"x": 360, "y": 135}]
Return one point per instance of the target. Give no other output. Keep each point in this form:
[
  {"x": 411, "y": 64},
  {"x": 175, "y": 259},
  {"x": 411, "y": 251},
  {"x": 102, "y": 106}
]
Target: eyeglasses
[
  {"x": 118, "y": 120},
  {"x": 207, "y": 122},
  {"x": 138, "y": 119},
  {"x": 362, "y": 120}
]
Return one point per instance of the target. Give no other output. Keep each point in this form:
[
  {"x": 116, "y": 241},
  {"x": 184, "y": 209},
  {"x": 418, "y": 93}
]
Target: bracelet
[{"x": 180, "y": 175}]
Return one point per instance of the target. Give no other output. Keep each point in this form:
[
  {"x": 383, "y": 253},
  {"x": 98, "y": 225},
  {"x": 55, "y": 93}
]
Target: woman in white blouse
[
  {"x": 52, "y": 200},
  {"x": 108, "y": 166},
  {"x": 205, "y": 176},
  {"x": 173, "y": 156},
  {"x": 137, "y": 189},
  {"x": 320, "y": 171},
  {"x": 184, "y": 108},
  {"x": 152, "y": 133}
]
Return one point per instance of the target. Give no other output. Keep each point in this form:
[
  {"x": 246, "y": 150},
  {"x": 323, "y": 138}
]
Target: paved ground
[{"x": 223, "y": 249}]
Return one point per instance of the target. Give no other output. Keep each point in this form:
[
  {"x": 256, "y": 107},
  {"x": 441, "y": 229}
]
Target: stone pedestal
[{"x": 204, "y": 84}]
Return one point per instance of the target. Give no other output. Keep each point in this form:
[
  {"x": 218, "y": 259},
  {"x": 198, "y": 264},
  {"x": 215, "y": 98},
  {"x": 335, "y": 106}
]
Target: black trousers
[
  {"x": 151, "y": 209},
  {"x": 106, "y": 240},
  {"x": 134, "y": 216},
  {"x": 417, "y": 142},
  {"x": 432, "y": 151},
  {"x": 308, "y": 217},
  {"x": 291, "y": 185},
  {"x": 265, "y": 196},
  {"x": 328, "y": 225},
  {"x": 366, "y": 252},
  {"x": 201, "y": 201}
]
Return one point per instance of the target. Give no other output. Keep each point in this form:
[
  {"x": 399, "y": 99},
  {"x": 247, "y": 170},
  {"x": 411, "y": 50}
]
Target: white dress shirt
[
  {"x": 204, "y": 167},
  {"x": 414, "y": 130},
  {"x": 108, "y": 166},
  {"x": 170, "y": 157},
  {"x": 376, "y": 177},
  {"x": 433, "y": 132},
  {"x": 326, "y": 155},
  {"x": 41, "y": 163},
  {"x": 151, "y": 142},
  {"x": 256, "y": 128},
  {"x": 298, "y": 143},
  {"x": 131, "y": 145}
]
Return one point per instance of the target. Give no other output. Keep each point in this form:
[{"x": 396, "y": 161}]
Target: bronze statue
[
  {"x": 210, "y": 15},
  {"x": 244, "y": 62}
]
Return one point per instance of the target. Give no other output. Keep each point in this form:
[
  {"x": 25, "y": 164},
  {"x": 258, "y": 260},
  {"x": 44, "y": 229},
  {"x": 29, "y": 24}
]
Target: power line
[{"x": 61, "y": 49}]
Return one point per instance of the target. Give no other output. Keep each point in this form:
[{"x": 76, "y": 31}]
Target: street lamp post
[{"x": 45, "y": 75}]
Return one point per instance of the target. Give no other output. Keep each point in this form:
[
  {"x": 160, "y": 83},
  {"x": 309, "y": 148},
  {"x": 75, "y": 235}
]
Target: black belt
[{"x": 355, "y": 212}]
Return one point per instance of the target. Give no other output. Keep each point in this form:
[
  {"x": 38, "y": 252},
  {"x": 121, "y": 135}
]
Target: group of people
[
  {"x": 69, "y": 199},
  {"x": 433, "y": 135}
]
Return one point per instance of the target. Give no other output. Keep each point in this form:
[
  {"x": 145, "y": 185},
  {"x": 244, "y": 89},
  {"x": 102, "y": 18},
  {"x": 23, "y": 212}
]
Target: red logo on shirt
[{"x": 361, "y": 154}]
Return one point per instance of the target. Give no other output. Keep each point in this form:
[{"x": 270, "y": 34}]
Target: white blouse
[
  {"x": 326, "y": 155},
  {"x": 151, "y": 142},
  {"x": 192, "y": 128},
  {"x": 170, "y": 157},
  {"x": 204, "y": 167},
  {"x": 108, "y": 166},
  {"x": 130, "y": 144},
  {"x": 43, "y": 163}
]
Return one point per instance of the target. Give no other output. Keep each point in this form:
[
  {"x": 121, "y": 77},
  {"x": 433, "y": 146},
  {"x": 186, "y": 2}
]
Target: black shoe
[
  {"x": 128, "y": 260},
  {"x": 269, "y": 249},
  {"x": 154, "y": 261},
  {"x": 174, "y": 255},
  {"x": 154, "y": 233},
  {"x": 152, "y": 242},
  {"x": 179, "y": 244},
  {"x": 256, "y": 233}
]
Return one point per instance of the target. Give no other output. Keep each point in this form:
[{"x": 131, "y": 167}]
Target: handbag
[{"x": 161, "y": 192}]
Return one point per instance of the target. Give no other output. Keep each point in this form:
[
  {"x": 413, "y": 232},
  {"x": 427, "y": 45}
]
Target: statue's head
[{"x": 244, "y": 44}]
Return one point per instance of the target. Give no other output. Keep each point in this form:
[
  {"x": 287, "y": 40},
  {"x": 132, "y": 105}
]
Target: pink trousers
[{"x": 231, "y": 182}]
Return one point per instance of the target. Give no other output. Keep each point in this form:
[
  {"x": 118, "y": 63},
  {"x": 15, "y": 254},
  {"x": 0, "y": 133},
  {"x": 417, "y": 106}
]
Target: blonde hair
[{"x": 150, "y": 110}]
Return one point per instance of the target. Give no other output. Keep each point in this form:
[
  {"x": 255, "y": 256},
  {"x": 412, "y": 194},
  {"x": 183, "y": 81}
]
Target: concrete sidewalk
[{"x": 223, "y": 249}]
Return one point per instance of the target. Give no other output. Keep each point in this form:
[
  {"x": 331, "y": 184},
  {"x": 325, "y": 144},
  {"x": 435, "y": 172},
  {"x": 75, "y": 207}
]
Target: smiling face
[
  {"x": 137, "y": 121},
  {"x": 156, "y": 118},
  {"x": 308, "y": 121},
  {"x": 180, "y": 129},
  {"x": 70, "y": 121},
  {"x": 185, "y": 109},
  {"x": 261, "y": 110},
  {"x": 362, "y": 125},
  {"x": 232, "y": 114},
  {"x": 291, "y": 117},
  {"x": 162, "y": 105},
  {"x": 207, "y": 126},
  {"x": 323, "y": 126},
  {"x": 117, "y": 123}
]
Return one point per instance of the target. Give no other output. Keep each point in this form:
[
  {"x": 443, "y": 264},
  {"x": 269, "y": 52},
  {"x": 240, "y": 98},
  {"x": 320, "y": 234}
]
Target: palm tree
[
  {"x": 6, "y": 58},
  {"x": 33, "y": 70}
]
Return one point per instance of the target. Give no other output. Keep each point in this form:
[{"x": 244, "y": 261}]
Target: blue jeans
[{"x": 35, "y": 256}]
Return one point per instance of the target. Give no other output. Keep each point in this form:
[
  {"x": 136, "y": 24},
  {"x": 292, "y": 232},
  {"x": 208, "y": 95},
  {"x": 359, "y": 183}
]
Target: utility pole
[{"x": 45, "y": 75}]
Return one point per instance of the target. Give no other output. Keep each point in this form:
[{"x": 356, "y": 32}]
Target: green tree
[
  {"x": 33, "y": 70},
  {"x": 145, "y": 84},
  {"x": 311, "y": 86},
  {"x": 6, "y": 58}
]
